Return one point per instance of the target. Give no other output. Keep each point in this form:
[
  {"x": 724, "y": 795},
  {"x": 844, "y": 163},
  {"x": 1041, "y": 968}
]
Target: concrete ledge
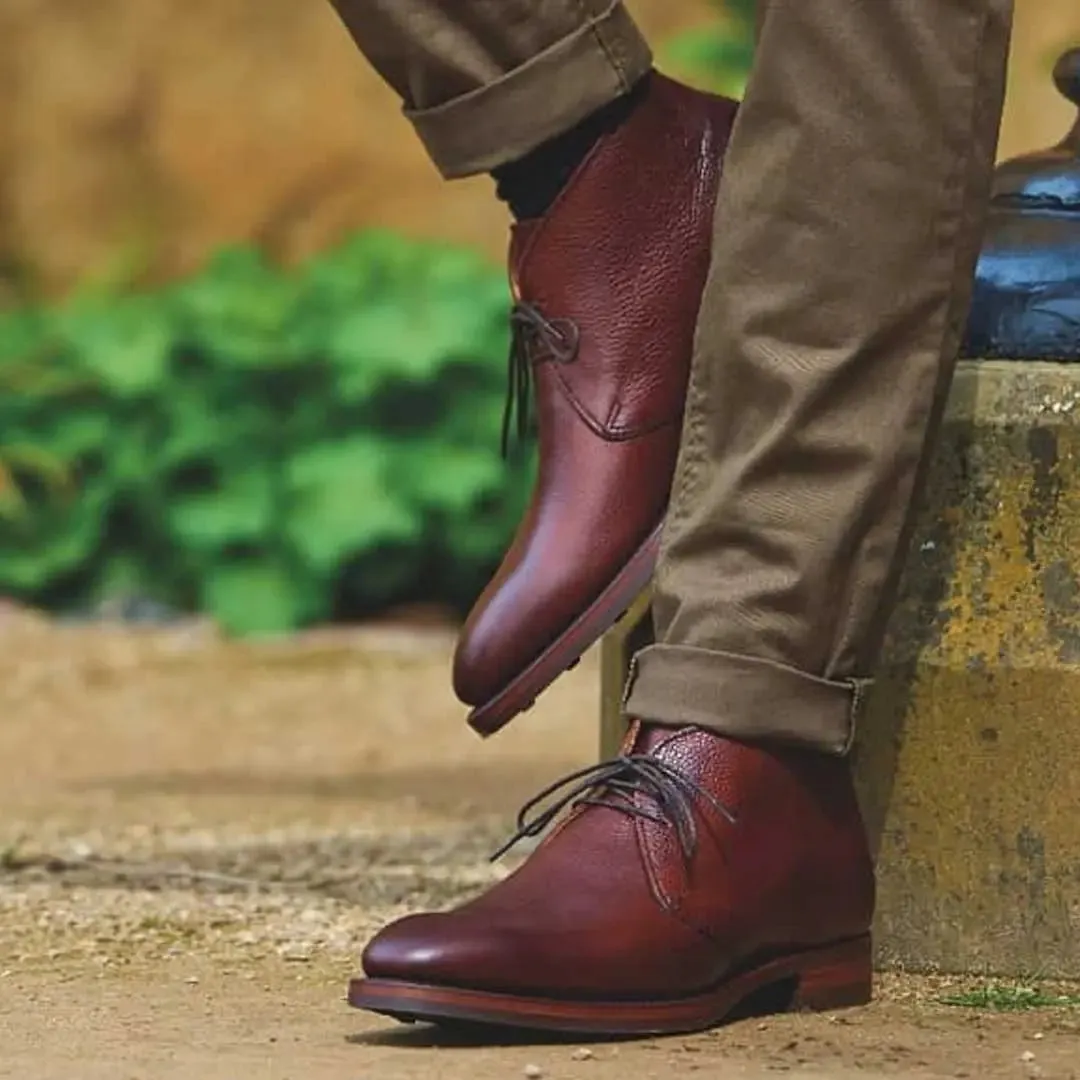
[{"x": 969, "y": 759}]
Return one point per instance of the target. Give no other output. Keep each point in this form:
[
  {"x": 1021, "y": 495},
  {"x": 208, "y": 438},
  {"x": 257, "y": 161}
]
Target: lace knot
[
  {"x": 670, "y": 795},
  {"x": 533, "y": 338}
]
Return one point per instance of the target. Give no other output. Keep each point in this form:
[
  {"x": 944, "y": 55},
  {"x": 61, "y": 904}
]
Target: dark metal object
[{"x": 1027, "y": 291}]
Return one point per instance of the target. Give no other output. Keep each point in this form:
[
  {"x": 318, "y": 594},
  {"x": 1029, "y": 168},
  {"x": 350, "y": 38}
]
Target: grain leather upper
[
  {"x": 621, "y": 258},
  {"x": 612, "y": 906}
]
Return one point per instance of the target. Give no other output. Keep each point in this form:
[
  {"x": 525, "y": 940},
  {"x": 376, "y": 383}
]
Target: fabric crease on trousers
[{"x": 486, "y": 81}]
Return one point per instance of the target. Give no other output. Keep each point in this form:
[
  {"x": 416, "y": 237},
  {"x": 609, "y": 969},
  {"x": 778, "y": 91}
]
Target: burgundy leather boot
[
  {"x": 606, "y": 292},
  {"x": 691, "y": 875}
]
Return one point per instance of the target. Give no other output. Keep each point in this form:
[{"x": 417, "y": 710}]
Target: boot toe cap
[
  {"x": 498, "y": 642},
  {"x": 436, "y": 950}
]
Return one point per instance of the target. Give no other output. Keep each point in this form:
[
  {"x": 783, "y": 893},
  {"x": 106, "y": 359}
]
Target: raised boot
[
  {"x": 606, "y": 290},
  {"x": 693, "y": 874}
]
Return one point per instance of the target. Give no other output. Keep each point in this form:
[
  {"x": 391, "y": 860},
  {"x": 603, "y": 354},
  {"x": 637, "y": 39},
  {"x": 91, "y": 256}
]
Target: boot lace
[
  {"x": 533, "y": 337},
  {"x": 670, "y": 795}
]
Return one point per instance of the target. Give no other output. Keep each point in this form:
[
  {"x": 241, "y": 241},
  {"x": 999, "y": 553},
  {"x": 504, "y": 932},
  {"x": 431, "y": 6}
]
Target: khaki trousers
[{"x": 847, "y": 229}]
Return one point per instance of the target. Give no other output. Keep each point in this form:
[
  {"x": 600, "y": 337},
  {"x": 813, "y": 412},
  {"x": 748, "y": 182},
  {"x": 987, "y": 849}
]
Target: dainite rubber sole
[
  {"x": 836, "y": 977},
  {"x": 567, "y": 649}
]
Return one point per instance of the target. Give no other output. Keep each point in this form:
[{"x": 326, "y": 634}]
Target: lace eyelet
[
  {"x": 568, "y": 336},
  {"x": 616, "y": 785}
]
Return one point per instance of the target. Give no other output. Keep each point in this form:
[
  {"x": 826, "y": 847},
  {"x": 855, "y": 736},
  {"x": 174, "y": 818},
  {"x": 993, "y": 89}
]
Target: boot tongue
[
  {"x": 693, "y": 751},
  {"x": 521, "y": 237},
  {"x": 648, "y": 738}
]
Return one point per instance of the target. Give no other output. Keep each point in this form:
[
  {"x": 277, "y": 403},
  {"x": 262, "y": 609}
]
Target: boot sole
[
  {"x": 567, "y": 649},
  {"x": 837, "y": 977}
]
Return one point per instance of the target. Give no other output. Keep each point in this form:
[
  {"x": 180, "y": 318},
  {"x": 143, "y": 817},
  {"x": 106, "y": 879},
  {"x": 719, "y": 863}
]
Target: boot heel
[{"x": 836, "y": 978}]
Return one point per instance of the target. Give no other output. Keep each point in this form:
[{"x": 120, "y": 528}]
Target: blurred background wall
[
  {"x": 308, "y": 428},
  {"x": 154, "y": 131}
]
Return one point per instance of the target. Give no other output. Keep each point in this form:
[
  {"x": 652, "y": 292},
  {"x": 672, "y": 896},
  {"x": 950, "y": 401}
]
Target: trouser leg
[
  {"x": 486, "y": 81},
  {"x": 849, "y": 222}
]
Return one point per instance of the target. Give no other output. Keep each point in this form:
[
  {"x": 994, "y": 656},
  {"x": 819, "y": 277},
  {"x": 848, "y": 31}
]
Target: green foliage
[
  {"x": 271, "y": 447},
  {"x": 1007, "y": 997},
  {"x": 717, "y": 57}
]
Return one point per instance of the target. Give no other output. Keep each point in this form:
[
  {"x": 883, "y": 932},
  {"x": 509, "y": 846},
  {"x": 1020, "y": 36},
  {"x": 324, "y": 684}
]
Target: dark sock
[{"x": 531, "y": 184}]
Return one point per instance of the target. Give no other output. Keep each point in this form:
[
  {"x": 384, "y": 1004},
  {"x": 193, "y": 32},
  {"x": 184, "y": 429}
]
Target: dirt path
[
  {"x": 195, "y": 839},
  {"x": 163, "y": 1025}
]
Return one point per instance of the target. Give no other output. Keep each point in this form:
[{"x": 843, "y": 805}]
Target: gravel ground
[{"x": 197, "y": 836}]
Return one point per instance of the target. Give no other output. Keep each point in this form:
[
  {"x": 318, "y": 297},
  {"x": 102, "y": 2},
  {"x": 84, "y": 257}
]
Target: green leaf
[
  {"x": 22, "y": 334},
  {"x": 52, "y": 540},
  {"x": 408, "y": 340},
  {"x": 76, "y": 433},
  {"x": 197, "y": 426},
  {"x": 126, "y": 345},
  {"x": 12, "y": 500},
  {"x": 343, "y": 503},
  {"x": 194, "y": 434},
  {"x": 65, "y": 431},
  {"x": 241, "y": 510},
  {"x": 464, "y": 475},
  {"x": 341, "y": 419},
  {"x": 39, "y": 463},
  {"x": 473, "y": 413},
  {"x": 131, "y": 453},
  {"x": 364, "y": 266},
  {"x": 258, "y": 597},
  {"x": 239, "y": 310}
]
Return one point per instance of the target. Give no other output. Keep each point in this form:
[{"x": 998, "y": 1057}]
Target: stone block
[{"x": 968, "y": 760}]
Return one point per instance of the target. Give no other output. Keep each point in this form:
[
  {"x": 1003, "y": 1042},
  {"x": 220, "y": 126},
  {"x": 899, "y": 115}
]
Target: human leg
[
  {"x": 606, "y": 283},
  {"x": 486, "y": 81},
  {"x": 859, "y": 179},
  {"x": 723, "y": 851}
]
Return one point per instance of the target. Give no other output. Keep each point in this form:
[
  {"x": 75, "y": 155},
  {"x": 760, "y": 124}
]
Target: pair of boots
[{"x": 693, "y": 871}]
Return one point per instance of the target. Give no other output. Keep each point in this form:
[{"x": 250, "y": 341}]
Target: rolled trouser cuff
[
  {"x": 743, "y": 697},
  {"x": 502, "y": 121}
]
